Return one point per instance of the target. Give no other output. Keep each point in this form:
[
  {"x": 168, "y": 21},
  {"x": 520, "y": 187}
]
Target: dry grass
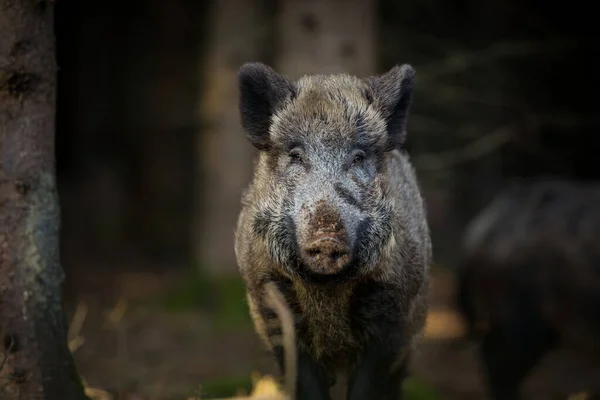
[
  {"x": 444, "y": 324},
  {"x": 264, "y": 387},
  {"x": 75, "y": 340},
  {"x": 440, "y": 324}
]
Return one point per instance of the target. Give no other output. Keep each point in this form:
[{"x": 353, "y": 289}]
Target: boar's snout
[
  {"x": 328, "y": 255},
  {"x": 327, "y": 250}
]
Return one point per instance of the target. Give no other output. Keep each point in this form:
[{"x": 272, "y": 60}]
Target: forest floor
[{"x": 163, "y": 336}]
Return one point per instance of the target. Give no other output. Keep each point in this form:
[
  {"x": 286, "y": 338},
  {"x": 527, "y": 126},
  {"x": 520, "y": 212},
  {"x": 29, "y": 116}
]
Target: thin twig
[
  {"x": 6, "y": 353},
  {"x": 286, "y": 319},
  {"x": 276, "y": 301},
  {"x": 75, "y": 340}
]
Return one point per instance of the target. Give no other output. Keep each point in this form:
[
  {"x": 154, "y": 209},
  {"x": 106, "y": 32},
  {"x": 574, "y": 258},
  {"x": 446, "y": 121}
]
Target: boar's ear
[
  {"x": 262, "y": 92},
  {"x": 392, "y": 95}
]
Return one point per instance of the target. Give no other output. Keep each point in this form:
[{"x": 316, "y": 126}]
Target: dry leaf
[{"x": 267, "y": 385}]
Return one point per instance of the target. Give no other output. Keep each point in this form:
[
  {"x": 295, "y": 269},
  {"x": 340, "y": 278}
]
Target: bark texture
[
  {"x": 326, "y": 36},
  {"x": 33, "y": 328}
]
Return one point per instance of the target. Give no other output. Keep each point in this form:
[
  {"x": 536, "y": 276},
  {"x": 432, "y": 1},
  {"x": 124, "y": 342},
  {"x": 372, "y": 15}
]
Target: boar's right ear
[
  {"x": 262, "y": 92},
  {"x": 392, "y": 95}
]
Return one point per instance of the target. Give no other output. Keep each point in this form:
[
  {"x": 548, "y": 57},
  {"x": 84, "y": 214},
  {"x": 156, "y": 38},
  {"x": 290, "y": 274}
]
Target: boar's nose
[
  {"x": 327, "y": 250},
  {"x": 327, "y": 255}
]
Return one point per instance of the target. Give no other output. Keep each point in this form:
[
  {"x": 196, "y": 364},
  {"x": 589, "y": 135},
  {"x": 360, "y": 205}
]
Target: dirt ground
[{"x": 150, "y": 353}]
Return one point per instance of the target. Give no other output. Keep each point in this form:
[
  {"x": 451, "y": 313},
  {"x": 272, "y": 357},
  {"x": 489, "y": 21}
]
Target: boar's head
[{"x": 326, "y": 202}]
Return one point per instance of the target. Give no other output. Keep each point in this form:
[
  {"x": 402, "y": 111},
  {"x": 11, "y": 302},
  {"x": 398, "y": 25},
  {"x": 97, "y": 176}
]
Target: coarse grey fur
[{"x": 335, "y": 218}]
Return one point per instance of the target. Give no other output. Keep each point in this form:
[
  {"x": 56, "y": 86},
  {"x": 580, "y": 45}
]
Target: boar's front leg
[
  {"x": 508, "y": 356},
  {"x": 514, "y": 345},
  {"x": 397, "y": 377},
  {"x": 378, "y": 319},
  {"x": 371, "y": 376},
  {"x": 312, "y": 381}
]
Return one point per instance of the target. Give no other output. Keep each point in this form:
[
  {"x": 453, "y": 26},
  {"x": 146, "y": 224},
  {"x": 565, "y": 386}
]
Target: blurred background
[{"x": 151, "y": 160}]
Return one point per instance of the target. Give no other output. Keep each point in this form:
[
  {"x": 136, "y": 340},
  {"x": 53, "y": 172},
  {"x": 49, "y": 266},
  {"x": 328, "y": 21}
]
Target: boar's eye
[
  {"x": 296, "y": 155},
  {"x": 358, "y": 157}
]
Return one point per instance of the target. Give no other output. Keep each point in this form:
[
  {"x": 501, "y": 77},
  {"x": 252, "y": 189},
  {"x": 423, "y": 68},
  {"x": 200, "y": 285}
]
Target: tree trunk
[
  {"x": 32, "y": 323},
  {"x": 326, "y": 36},
  {"x": 236, "y": 34}
]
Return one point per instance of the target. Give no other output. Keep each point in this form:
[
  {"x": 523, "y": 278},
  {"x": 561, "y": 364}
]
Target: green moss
[
  {"x": 415, "y": 389},
  {"x": 192, "y": 292},
  {"x": 221, "y": 388},
  {"x": 223, "y": 297},
  {"x": 233, "y": 308}
]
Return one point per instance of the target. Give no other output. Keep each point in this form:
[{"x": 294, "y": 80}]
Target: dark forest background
[{"x": 151, "y": 159}]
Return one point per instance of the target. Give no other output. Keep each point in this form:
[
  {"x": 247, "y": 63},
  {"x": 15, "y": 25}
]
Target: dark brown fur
[
  {"x": 530, "y": 278},
  {"x": 360, "y": 298}
]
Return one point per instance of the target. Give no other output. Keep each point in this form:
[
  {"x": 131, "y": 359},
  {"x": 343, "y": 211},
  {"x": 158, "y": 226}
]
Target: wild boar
[
  {"x": 334, "y": 217},
  {"x": 529, "y": 278}
]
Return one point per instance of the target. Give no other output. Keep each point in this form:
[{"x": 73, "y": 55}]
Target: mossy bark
[{"x": 33, "y": 327}]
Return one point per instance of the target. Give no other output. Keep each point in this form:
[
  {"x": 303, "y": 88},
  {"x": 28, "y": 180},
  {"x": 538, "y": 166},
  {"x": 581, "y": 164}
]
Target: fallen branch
[
  {"x": 474, "y": 150},
  {"x": 493, "y": 141},
  {"x": 463, "y": 61},
  {"x": 580, "y": 396}
]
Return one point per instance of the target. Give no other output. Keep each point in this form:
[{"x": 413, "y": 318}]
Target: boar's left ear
[
  {"x": 262, "y": 92},
  {"x": 392, "y": 95}
]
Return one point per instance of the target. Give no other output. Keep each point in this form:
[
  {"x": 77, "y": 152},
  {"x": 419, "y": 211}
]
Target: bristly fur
[
  {"x": 368, "y": 314},
  {"x": 529, "y": 279}
]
